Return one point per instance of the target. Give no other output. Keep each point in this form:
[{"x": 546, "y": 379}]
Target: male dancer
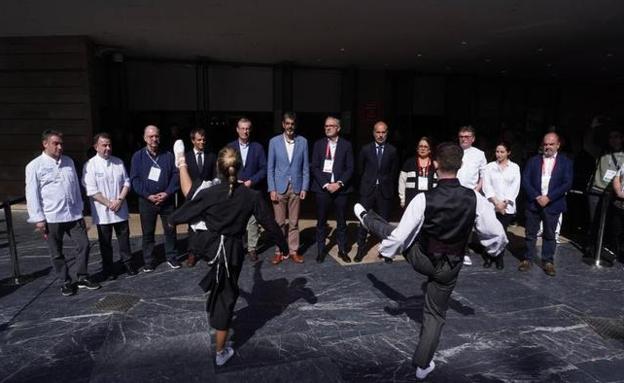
[{"x": 432, "y": 236}]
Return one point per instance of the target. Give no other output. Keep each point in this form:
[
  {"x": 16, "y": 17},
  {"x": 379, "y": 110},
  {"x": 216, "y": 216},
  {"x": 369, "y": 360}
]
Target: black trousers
[
  {"x": 149, "y": 213},
  {"x": 77, "y": 231},
  {"x": 324, "y": 202},
  {"x": 105, "y": 236},
  {"x": 377, "y": 201},
  {"x": 441, "y": 275}
]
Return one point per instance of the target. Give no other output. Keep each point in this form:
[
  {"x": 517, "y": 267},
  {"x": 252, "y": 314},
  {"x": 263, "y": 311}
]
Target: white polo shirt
[
  {"x": 109, "y": 177},
  {"x": 52, "y": 190}
]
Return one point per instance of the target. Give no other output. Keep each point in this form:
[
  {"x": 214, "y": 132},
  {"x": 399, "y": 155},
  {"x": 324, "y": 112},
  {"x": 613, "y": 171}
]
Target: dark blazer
[
  {"x": 209, "y": 170},
  {"x": 560, "y": 183},
  {"x": 255, "y": 168},
  {"x": 386, "y": 173},
  {"x": 343, "y": 165}
]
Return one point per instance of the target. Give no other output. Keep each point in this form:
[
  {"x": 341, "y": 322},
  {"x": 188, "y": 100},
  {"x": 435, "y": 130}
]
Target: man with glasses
[
  {"x": 154, "y": 177},
  {"x": 332, "y": 168},
  {"x": 470, "y": 174},
  {"x": 288, "y": 176}
]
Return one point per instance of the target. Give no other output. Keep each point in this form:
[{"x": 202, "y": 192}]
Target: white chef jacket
[
  {"x": 473, "y": 165},
  {"x": 109, "y": 177},
  {"x": 52, "y": 190}
]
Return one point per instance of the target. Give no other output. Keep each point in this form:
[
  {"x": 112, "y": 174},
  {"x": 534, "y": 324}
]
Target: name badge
[
  {"x": 423, "y": 183},
  {"x": 328, "y": 165},
  {"x": 154, "y": 174},
  {"x": 609, "y": 174}
]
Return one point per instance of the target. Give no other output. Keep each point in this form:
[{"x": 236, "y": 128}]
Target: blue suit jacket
[
  {"x": 560, "y": 183},
  {"x": 255, "y": 168},
  {"x": 343, "y": 165},
  {"x": 280, "y": 170}
]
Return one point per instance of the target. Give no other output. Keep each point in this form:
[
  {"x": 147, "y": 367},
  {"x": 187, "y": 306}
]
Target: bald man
[
  {"x": 155, "y": 178},
  {"x": 546, "y": 179},
  {"x": 378, "y": 166}
]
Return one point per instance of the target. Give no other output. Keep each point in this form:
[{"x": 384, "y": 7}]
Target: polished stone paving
[{"x": 312, "y": 323}]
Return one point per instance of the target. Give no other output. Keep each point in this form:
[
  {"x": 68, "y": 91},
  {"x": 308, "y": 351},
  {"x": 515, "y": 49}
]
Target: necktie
[
  {"x": 379, "y": 155},
  {"x": 200, "y": 161}
]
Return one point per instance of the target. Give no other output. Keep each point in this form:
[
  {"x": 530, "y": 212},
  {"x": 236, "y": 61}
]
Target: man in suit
[
  {"x": 546, "y": 180},
  {"x": 201, "y": 166},
  {"x": 378, "y": 164},
  {"x": 288, "y": 177},
  {"x": 252, "y": 174},
  {"x": 332, "y": 169}
]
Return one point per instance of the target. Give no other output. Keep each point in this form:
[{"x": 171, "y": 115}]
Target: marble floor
[{"x": 311, "y": 323}]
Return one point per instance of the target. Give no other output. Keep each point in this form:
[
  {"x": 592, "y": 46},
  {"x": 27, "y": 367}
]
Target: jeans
[{"x": 549, "y": 221}]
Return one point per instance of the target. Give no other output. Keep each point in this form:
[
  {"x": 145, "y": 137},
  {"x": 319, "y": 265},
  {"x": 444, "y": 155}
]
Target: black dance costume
[{"x": 222, "y": 243}]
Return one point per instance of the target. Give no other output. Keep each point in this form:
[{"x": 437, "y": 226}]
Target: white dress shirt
[
  {"x": 502, "y": 183},
  {"x": 473, "y": 165},
  {"x": 108, "y": 177},
  {"x": 488, "y": 229},
  {"x": 290, "y": 147},
  {"x": 52, "y": 190},
  {"x": 548, "y": 165},
  {"x": 244, "y": 149}
]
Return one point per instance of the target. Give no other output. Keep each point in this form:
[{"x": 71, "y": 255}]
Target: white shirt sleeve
[
  {"x": 488, "y": 188},
  {"x": 482, "y": 164},
  {"x": 402, "y": 181},
  {"x": 88, "y": 179},
  {"x": 33, "y": 195},
  {"x": 409, "y": 227},
  {"x": 488, "y": 228}
]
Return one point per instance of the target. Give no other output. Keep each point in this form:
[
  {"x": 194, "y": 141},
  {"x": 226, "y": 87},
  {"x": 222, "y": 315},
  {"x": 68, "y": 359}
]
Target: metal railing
[{"x": 8, "y": 216}]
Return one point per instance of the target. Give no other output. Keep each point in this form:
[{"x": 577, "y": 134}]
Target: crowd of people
[{"x": 446, "y": 194}]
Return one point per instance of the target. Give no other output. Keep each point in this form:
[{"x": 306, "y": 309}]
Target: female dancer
[
  {"x": 224, "y": 208},
  {"x": 501, "y": 183},
  {"x": 418, "y": 173}
]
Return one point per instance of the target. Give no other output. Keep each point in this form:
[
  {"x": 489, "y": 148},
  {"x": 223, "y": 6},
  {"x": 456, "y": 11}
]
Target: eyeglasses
[
  {"x": 331, "y": 126},
  {"x": 466, "y": 136}
]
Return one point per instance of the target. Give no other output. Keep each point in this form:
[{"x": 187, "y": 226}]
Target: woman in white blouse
[{"x": 501, "y": 183}]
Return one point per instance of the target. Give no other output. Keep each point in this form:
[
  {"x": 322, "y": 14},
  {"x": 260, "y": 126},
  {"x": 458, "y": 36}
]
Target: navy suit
[
  {"x": 377, "y": 183},
  {"x": 255, "y": 168},
  {"x": 342, "y": 171},
  {"x": 208, "y": 171},
  {"x": 560, "y": 183}
]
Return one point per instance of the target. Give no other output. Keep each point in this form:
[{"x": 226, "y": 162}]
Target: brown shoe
[
  {"x": 253, "y": 256},
  {"x": 191, "y": 260},
  {"x": 524, "y": 265},
  {"x": 296, "y": 257},
  {"x": 549, "y": 269},
  {"x": 277, "y": 258}
]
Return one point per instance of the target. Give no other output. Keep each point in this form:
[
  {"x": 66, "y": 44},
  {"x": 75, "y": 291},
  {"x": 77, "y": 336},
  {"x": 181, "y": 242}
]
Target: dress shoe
[
  {"x": 524, "y": 265},
  {"x": 549, "y": 269},
  {"x": 253, "y": 256},
  {"x": 191, "y": 260},
  {"x": 487, "y": 263},
  {"x": 344, "y": 257},
  {"x": 109, "y": 277},
  {"x": 320, "y": 257},
  {"x": 499, "y": 262},
  {"x": 297, "y": 258},
  {"x": 388, "y": 260},
  {"x": 278, "y": 258},
  {"x": 359, "y": 256},
  {"x": 131, "y": 270}
]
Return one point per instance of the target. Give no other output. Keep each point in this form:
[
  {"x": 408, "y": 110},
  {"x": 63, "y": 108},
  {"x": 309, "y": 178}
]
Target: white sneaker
[
  {"x": 178, "y": 152},
  {"x": 360, "y": 212},
  {"x": 467, "y": 262},
  {"x": 421, "y": 373},
  {"x": 223, "y": 356}
]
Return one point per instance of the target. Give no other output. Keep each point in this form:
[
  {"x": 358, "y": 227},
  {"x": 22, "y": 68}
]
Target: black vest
[{"x": 449, "y": 218}]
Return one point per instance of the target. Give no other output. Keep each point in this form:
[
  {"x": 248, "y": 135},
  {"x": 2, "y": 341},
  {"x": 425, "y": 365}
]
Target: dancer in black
[
  {"x": 432, "y": 235},
  {"x": 220, "y": 214}
]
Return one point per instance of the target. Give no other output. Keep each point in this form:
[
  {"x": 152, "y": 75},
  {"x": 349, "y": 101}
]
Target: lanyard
[
  {"x": 150, "y": 157},
  {"x": 423, "y": 171},
  {"x": 328, "y": 151}
]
